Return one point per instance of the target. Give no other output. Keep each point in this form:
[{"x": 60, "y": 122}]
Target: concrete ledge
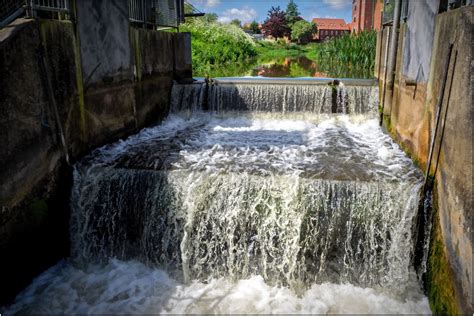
[{"x": 293, "y": 81}]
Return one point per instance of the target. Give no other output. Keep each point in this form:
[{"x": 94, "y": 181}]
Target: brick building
[
  {"x": 366, "y": 15},
  {"x": 330, "y": 28}
]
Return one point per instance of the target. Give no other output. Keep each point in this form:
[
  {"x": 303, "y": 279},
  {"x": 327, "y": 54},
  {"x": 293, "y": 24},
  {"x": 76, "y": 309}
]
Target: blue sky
[{"x": 249, "y": 10}]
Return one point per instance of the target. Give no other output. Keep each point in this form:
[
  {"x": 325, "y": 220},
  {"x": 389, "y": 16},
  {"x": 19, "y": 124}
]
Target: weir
[
  {"x": 278, "y": 95},
  {"x": 256, "y": 195}
]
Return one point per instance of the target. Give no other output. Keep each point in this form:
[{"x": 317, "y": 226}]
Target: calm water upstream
[
  {"x": 254, "y": 207},
  {"x": 284, "y": 67}
]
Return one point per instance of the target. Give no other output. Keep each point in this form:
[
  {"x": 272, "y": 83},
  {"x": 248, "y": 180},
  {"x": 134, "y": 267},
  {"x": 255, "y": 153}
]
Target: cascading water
[
  {"x": 262, "y": 96},
  {"x": 278, "y": 209}
]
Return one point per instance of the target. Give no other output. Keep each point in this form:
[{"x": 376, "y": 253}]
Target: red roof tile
[{"x": 331, "y": 24}]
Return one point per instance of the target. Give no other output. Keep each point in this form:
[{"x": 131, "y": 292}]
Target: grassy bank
[{"x": 279, "y": 49}]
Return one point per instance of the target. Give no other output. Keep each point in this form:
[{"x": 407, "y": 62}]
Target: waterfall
[
  {"x": 187, "y": 97},
  {"x": 293, "y": 231},
  {"x": 284, "y": 97},
  {"x": 267, "y": 202},
  {"x": 239, "y": 197},
  {"x": 270, "y": 98}
]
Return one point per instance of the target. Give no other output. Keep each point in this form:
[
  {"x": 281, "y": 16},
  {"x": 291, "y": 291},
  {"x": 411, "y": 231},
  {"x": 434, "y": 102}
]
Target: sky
[{"x": 249, "y": 10}]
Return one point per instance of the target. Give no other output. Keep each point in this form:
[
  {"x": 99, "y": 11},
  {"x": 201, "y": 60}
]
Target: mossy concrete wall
[
  {"x": 33, "y": 202},
  {"x": 104, "y": 41},
  {"x": 411, "y": 119},
  {"x": 43, "y": 68}
]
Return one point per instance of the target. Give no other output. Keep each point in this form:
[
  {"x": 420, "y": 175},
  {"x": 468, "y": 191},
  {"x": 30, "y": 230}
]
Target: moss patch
[
  {"x": 135, "y": 42},
  {"x": 439, "y": 277}
]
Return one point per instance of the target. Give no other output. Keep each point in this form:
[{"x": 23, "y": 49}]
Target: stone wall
[
  {"x": 422, "y": 55},
  {"x": 105, "y": 80}
]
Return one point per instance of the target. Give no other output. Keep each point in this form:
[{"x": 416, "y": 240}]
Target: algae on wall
[{"x": 439, "y": 276}]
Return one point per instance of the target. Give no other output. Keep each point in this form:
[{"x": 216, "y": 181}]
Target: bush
[
  {"x": 280, "y": 41},
  {"x": 214, "y": 43},
  {"x": 302, "y": 31}
]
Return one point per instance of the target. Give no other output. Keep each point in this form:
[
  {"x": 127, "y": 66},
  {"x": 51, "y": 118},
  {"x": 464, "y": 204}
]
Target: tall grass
[
  {"x": 355, "y": 51},
  {"x": 217, "y": 44}
]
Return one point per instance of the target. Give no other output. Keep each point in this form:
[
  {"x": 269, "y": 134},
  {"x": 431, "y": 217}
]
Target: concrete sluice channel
[{"x": 271, "y": 196}]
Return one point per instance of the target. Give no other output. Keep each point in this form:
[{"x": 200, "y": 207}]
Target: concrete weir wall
[
  {"x": 422, "y": 55},
  {"x": 105, "y": 79}
]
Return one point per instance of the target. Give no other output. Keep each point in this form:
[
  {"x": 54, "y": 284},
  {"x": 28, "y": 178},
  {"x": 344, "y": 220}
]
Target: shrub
[
  {"x": 214, "y": 43},
  {"x": 302, "y": 31}
]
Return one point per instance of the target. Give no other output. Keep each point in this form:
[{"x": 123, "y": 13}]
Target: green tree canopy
[
  {"x": 236, "y": 22},
  {"x": 303, "y": 31},
  {"x": 254, "y": 28},
  {"x": 292, "y": 14},
  {"x": 210, "y": 17}
]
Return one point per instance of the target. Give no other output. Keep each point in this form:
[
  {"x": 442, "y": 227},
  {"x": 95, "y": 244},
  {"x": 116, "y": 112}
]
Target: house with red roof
[{"x": 330, "y": 28}]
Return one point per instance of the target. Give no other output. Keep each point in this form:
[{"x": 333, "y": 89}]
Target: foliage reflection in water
[{"x": 290, "y": 67}]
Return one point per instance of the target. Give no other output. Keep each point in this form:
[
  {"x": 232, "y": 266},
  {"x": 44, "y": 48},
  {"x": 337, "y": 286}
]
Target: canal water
[
  {"x": 292, "y": 205},
  {"x": 287, "y": 67}
]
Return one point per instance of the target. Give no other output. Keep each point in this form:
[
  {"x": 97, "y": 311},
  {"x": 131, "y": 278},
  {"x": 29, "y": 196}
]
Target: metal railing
[
  {"x": 10, "y": 10},
  {"x": 60, "y": 6},
  {"x": 156, "y": 13}
]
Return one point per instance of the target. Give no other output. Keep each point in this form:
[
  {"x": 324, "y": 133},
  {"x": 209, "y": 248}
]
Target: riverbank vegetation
[
  {"x": 214, "y": 43},
  {"x": 356, "y": 50},
  {"x": 280, "y": 49},
  {"x": 220, "y": 49}
]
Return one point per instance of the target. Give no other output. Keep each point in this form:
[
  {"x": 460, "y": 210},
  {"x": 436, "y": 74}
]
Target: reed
[{"x": 354, "y": 51}]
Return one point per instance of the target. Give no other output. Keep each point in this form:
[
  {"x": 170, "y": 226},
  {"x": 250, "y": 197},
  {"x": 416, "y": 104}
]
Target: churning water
[{"x": 263, "y": 211}]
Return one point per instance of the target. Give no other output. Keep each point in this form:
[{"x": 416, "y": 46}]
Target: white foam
[
  {"x": 331, "y": 148},
  {"x": 356, "y": 148},
  {"x": 131, "y": 287}
]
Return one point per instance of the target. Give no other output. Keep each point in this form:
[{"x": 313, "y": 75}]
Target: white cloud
[
  {"x": 338, "y": 4},
  {"x": 246, "y": 15},
  {"x": 206, "y": 3},
  {"x": 212, "y": 3}
]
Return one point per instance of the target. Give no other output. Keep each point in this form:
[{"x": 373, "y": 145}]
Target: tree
[
  {"x": 292, "y": 14},
  {"x": 254, "y": 28},
  {"x": 276, "y": 24},
  {"x": 236, "y": 22},
  {"x": 302, "y": 31},
  {"x": 210, "y": 17},
  {"x": 188, "y": 8}
]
